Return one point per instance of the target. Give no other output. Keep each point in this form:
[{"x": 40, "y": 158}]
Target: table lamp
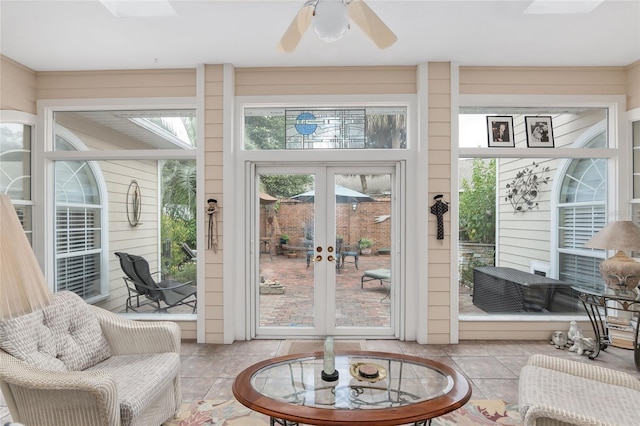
[
  {"x": 620, "y": 272},
  {"x": 23, "y": 288}
]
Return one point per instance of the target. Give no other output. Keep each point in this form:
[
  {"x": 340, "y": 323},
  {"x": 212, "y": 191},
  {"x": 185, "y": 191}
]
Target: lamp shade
[
  {"x": 619, "y": 235},
  {"x": 330, "y": 20},
  {"x": 23, "y": 288},
  {"x": 620, "y": 272}
]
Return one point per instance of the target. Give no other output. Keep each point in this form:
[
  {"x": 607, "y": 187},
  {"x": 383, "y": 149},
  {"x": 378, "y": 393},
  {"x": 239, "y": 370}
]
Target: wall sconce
[{"x": 354, "y": 206}]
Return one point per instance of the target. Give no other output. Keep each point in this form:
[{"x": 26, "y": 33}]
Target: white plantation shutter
[{"x": 581, "y": 214}]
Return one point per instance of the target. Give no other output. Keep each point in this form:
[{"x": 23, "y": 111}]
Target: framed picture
[
  {"x": 539, "y": 132},
  {"x": 500, "y": 131}
]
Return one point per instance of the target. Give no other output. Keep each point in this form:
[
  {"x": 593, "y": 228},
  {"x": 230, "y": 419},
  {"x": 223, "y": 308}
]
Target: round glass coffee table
[{"x": 376, "y": 388}]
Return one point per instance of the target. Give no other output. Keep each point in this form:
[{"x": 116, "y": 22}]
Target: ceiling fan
[{"x": 330, "y": 19}]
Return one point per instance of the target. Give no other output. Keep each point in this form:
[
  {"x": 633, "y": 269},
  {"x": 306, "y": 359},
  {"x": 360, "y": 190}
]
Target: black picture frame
[
  {"x": 539, "y": 131},
  {"x": 500, "y": 131}
]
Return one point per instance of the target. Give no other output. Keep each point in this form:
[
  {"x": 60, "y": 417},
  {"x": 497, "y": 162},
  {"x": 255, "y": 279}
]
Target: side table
[{"x": 598, "y": 305}]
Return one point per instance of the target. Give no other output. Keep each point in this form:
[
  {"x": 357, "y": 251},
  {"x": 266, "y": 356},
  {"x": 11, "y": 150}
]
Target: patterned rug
[
  {"x": 303, "y": 346},
  {"x": 232, "y": 413}
]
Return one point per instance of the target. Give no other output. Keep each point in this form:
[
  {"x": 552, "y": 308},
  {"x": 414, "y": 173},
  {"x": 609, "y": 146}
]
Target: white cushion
[{"x": 66, "y": 335}]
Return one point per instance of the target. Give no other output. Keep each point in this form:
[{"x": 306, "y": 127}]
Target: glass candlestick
[{"x": 329, "y": 372}]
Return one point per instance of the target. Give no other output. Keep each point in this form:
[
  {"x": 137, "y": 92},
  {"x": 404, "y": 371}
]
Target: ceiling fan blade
[
  {"x": 371, "y": 24},
  {"x": 298, "y": 26}
]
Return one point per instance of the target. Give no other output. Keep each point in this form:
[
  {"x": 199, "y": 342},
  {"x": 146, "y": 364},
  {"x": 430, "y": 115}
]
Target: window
[
  {"x": 325, "y": 128},
  {"x": 545, "y": 208},
  {"x": 582, "y": 213},
  {"x": 108, "y": 164},
  {"x": 16, "y": 134},
  {"x": 78, "y": 225},
  {"x": 635, "y": 137}
]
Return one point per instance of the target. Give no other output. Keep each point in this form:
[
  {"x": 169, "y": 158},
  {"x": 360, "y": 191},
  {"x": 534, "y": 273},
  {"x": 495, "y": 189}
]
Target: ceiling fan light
[{"x": 331, "y": 20}]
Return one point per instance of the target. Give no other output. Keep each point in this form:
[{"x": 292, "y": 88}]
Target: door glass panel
[
  {"x": 286, "y": 241},
  {"x": 363, "y": 241}
]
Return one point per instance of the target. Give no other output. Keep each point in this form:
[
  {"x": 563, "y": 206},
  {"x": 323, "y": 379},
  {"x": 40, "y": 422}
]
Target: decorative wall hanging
[
  {"x": 212, "y": 212},
  {"x": 500, "y": 131},
  {"x": 539, "y": 132},
  {"x": 134, "y": 203},
  {"x": 439, "y": 208},
  {"x": 523, "y": 189}
]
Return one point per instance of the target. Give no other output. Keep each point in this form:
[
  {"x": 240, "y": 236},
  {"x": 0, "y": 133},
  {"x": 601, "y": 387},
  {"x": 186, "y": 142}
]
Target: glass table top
[{"x": 389, "y": 382}]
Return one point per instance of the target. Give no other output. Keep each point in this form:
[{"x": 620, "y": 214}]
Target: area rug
[
  {"x": 232, "y": 413},
  {"x": 303, "y": 346}
]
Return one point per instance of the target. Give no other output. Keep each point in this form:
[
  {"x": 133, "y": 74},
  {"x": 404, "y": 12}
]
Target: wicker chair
[
  {"x": 556, "y": 391},
  {"x": 73, "y": 364}
]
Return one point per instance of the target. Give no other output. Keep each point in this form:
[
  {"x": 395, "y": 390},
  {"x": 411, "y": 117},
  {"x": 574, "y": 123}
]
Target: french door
[{"x": 324, "y": 257}]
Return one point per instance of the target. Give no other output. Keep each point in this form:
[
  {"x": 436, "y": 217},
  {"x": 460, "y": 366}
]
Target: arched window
[
  {"x": 16, "y": 135},
  {"x": 582, "y": 196},
  {"x": 79, "y": 228}
]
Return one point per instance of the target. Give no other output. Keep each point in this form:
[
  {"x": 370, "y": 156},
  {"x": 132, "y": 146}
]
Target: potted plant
[
  {"x": 291, "y": 254},
  {"x": 365, "y": 245},
  {"x": 284, "y": 238}
]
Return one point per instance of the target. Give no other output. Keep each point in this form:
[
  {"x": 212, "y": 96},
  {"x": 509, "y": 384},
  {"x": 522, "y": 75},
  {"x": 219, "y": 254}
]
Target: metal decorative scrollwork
[{"x": 134, "y": 203}]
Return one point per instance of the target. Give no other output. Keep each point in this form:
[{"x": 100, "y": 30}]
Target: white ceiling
[{"x": 82, "y": 35}]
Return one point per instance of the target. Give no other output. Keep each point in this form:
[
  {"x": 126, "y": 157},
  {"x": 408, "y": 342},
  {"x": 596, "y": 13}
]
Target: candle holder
[{"x": 329, "y": 372}]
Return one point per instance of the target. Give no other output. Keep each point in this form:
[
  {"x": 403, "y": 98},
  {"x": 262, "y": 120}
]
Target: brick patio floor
[{"x": 355, "y": 306}]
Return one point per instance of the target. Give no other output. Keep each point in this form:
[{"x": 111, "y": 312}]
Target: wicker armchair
[
  {"x": 74, "y": 364},
  {"x": 556, "y": 391}
]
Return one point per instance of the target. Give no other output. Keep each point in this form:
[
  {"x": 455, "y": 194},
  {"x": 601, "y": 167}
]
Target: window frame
[
  {"x": 101, "y": 188},
  {"x": 618, "y": 162},
  {"x": 46, "y": 156}
]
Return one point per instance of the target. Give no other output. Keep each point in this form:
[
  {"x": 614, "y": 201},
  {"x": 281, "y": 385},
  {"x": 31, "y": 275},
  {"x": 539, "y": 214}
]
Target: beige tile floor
[{"x": 208, "y": 370}]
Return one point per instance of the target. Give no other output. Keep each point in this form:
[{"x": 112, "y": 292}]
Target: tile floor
[
  {"x": 492, "y": 367},
  {"x": 208, "y": 370}
]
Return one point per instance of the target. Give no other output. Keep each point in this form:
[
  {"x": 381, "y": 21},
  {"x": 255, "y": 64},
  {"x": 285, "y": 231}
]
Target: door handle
[
  {"x": 318, "y": 258},
  {"x": 330, "y": 258}
]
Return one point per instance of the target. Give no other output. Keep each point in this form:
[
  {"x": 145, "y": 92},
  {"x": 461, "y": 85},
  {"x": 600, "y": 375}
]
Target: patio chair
[
  {"x": 382, "y": 275},
  {"x": 168, "y": 292},
  {"x": 349, "y": 253},
  {"x": 189, "y": 256},
  {"x": 135, "y": 287}
]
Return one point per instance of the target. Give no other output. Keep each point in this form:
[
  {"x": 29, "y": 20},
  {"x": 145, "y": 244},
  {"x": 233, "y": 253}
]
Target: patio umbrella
[
  {"x": 267, "y": 199},
  {"x": 343, "y": 195}
]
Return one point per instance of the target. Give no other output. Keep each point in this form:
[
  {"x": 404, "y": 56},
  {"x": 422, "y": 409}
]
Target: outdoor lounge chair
[
  {"x": 164, "y": 294},
  {"x": 382, "y": 275},
  {"x": 189, "y": 256}
]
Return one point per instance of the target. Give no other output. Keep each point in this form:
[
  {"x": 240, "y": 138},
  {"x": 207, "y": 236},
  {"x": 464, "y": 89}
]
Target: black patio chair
[
  {"x": 189, "y": 256},
  {"x": 164, "y": 294},
  {"x": 135, "y": 287}
]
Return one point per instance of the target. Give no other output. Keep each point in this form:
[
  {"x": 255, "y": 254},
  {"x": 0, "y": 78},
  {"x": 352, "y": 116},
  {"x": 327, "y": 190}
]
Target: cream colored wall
[
  {"x": 633, "y": 86},
  {"x": 516, "y": 330},
  {"x": 17, "y": 86},
  {"x": 116, "y": 84},
  {"x": 439, "y": 167},
  {"x": 325, "y": 81},
  {"x": 214, "y": 273},
  {"x": 543, "y": 81}
]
